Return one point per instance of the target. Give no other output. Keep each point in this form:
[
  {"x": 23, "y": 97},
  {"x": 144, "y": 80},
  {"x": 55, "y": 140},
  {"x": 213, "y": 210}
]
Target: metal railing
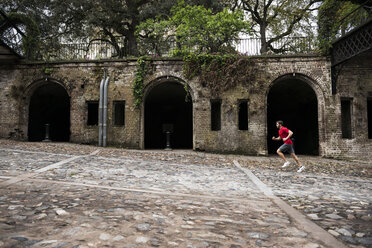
[
  {"x": 354, "y": 19},
  {"x": 88, "y": 51},
  {"x": 104, "y": 50},
  {"x": 287, "y": 45},
  {"x": 11, "y": 35},
  {"x": 13, "y": 38}
]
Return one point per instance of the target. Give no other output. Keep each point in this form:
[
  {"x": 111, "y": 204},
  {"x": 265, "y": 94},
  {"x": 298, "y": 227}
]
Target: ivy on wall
[
  {"x": 137, "y": 86},
  {"x": 219, "y": 72}
]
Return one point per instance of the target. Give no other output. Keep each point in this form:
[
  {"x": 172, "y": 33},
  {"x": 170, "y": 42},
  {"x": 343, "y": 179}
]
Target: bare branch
[
  {"x": 254, "y": 11},
  {"x": 296, "y": 19}
]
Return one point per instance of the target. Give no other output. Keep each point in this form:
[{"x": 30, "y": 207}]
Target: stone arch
[
  {"x": 163, "y": 79},
  {"x": 164, "y": 103},
  {"x": 298, "y": 100},
  {"x": 47, "y": 102}
]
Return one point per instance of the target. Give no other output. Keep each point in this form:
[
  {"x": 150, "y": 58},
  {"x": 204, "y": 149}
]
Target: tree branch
[
  {"x": 296, "y": 19},
  {"x": 254, "y": 12}
]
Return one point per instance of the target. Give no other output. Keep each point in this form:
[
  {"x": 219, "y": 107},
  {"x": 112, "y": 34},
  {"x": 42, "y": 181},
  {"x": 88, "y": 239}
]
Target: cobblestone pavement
[{"x": 69, "y": 195}]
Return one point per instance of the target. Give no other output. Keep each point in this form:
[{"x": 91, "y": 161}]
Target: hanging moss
[{"x": 219, "y": 72}]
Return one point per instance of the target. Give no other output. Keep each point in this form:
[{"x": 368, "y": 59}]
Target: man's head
[{"x": 279, "y": 124}]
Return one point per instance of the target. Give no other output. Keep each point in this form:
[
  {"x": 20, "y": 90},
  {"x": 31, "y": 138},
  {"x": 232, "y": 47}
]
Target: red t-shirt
[{"x": 283, "y": 133}]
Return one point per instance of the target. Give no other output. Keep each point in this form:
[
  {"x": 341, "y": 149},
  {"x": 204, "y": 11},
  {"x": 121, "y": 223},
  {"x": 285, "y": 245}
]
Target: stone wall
[
  {"x": 82, "y": 79},
  {"x": 253, "y": 141},
  {"x": 10, "y": 97},
  {"x": 355, "y": 84}
]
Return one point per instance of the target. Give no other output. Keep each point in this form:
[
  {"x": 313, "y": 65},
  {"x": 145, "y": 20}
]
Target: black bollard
[
  {"x": 46, "y": 133},
  {"x": 168, "y": 146}
]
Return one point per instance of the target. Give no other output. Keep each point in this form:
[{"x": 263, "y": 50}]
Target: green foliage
[
  {"x": 30, "y": 42},
  {"x": 76, "y": 21},
  {"x": 137, "y": 86},
  {"x": 47, "y": 71},
  {"x": 47, "y": 23},
  {"x": 80, "y": 21},
  {"x": 199, "y": 27},
  {"x": 330, "y": 16},
  {"x": 187, "y": 96},
  {"x": 196, "y": 29},
  {"x": 219, "y": 72},
  {"x": 179, "y": 52},
  {"x": 272, "y": 21},
  {"x": 151, "y": 36}
]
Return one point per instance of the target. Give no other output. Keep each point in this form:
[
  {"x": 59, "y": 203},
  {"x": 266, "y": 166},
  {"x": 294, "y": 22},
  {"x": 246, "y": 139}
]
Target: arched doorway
[
  {"x": 168, "y": 106},
  {"x": 292, "y": 100},
  {"x": 49, "y": 104}
]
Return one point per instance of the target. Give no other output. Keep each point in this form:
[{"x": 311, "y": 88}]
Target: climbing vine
[
  {"x": 219, "y": 72},
  {"x": 138, "y": 82},
  {"x": 187, "y": 96},
  {"x": 216, "y": 72}
]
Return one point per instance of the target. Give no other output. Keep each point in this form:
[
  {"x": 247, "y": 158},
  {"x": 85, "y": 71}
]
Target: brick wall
[
  {"x": 82, "y": 79},
  {"x": 355, "y": 84}
]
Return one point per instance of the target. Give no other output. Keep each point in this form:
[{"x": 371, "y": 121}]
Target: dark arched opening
[
  {"x": 49, "y": 104},
  {"x": 293, "y": 101},
  {"x": 166, "y": 107}
]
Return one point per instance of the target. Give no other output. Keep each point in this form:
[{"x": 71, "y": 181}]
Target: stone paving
[
  {"x": 130, "y": 198},
  {"x": 343, "y": 206},
  {"x": 12, "y": 165}
]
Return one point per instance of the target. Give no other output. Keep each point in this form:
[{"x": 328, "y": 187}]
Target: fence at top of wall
[{"x": 247, "y": 46}]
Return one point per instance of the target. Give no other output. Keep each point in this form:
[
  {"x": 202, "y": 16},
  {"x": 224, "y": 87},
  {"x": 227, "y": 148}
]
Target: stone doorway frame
[
  {"x": 319, "y": 93},
  {"x": 26, "y": 100},
  {"x": 147, "y": 89}
]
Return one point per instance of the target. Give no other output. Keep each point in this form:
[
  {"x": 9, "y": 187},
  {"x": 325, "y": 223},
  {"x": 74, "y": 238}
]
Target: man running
[{"x": 285, "y": 135}]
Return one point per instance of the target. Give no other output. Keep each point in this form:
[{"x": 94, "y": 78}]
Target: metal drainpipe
[
  {"x": 100, "y": 110},
  {"x": 105, "y": 112}
]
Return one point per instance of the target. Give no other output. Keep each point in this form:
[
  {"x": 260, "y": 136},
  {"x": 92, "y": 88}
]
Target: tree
[
  {"x": 76, "y": 21},
  {"x": 153, "y": 38},
  {"x": 81, "y": 21},
  {"x": 273, "y": 20},
  {"x": 335, "y": 18},
  {"x": 113, "y": 18},
  {"x": 46, "y": 22},
  {"x": 214, "y": 5},
  {"x": 116, "y": 17},
  {"x": 196, "y": 28},
  {"x": 24, "y": 42}
]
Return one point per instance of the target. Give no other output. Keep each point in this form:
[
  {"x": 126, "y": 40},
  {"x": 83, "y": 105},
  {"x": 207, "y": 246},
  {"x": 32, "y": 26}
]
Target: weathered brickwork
[
  {"x": 81, "y": 81},
  {"x": 354, "y": 83}
]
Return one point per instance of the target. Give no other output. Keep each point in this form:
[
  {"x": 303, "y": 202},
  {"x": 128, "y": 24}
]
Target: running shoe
[
  {"x": 302, "y": 168},
  {"x": 286, "y": 164}
]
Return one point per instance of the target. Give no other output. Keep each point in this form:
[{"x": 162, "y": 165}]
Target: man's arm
[
  {"x": 290, "y": 133},
  {"x": 277, "y": 138}
]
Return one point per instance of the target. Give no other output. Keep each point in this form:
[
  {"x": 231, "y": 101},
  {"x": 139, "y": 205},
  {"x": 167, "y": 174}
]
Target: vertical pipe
[
  {"x": 100, "y": 111},
  {"x": 105, "y": 112},
  {"x": 46, "y": 133}
]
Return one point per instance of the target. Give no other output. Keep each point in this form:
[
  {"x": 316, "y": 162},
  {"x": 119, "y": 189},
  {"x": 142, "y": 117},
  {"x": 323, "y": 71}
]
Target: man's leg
[
  {"x": 283, "y": 148},
  {"x": 296, "y": 158},
  {"x": 281, "y": 155}
]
